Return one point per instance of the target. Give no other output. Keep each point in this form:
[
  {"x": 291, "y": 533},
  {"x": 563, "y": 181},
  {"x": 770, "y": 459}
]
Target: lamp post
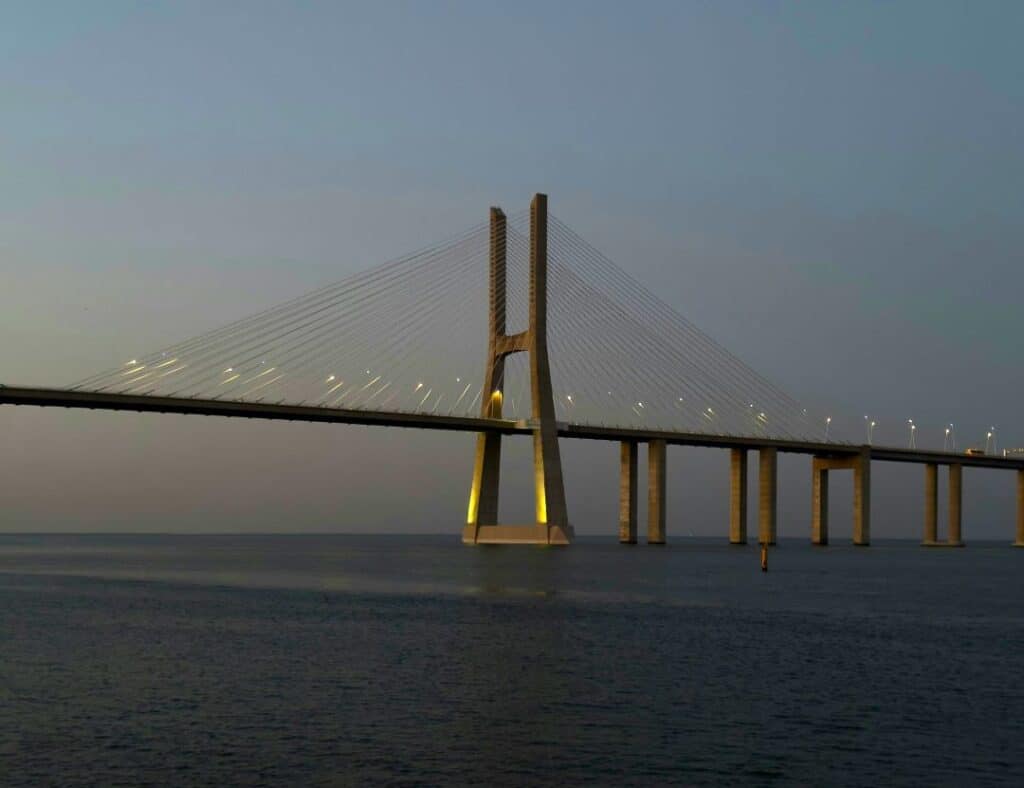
[
  {"x": 945, "y": 441},
  {"x": 913, "y": 430},
  {"x": 871, "y": 429},
  {"x": 828, "y": 422}
]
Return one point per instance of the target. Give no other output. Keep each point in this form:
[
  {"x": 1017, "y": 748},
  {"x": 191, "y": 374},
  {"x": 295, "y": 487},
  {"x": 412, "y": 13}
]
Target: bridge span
[
  {"x": 598, "y": 358},
  {"x": 825, "y": 457}
]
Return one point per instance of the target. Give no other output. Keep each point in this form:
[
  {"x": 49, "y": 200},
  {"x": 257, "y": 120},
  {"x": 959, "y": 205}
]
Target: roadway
[{"x": 89, "y": 400}]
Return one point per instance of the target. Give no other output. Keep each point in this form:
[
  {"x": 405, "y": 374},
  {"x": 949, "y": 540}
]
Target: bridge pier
[
  {"x": 627, "y": 491},
  {"x": 861, "y": 467},
  {"x": 954, "y": 537},
  {"x": 656, "y": 492},
  {"x": 862, "y": 499},
  {"x": 819, "y": 502},
  {"x": 931, "y": 504},
  {"x": 1019, "y": 541},
  {"x": 738, "y": 496},
  {"x": 768, "y": 496}
]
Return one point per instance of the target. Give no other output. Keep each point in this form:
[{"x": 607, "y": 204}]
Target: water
[{"x": 342, "y": 660}]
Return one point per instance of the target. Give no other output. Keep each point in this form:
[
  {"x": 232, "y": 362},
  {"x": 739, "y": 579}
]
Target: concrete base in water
[
  {"x": 538, "y": 533},
  {"x": 929, "y": 543}
]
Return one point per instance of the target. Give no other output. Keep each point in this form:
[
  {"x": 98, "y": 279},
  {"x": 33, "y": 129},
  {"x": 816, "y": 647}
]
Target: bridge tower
[{"x": 552, "y": 520}]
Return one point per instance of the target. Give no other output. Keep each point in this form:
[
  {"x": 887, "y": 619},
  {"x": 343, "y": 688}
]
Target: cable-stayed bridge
[{"x": 516, "y": 327}]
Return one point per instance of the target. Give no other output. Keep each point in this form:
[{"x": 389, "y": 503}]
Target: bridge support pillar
[
  {"x": 954, "y": 537},
  {"x": 862, "y": 499},
  {"x": 627, "y": 491},
  {"x": 738, "y": 496},
  {"x": 931, "y": 504},
  {"x": 551, "y": 525},
  {"x": 656, "y": 492},
  {"x": 860, "y": 464},
  {"x": 1019, "y": 541},
  {"x": 768, "y": 496},
  {"x": 819, "y": 502}
]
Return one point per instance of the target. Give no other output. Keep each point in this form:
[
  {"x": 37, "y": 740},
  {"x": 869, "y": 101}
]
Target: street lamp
[
  {"x": 913, "y": 430},
  {"x": 828, "y": 421},
  {"x": 989, "y": 439},
  {"x": 871, "y": 429},
  {"x": 945, "y": 441}
]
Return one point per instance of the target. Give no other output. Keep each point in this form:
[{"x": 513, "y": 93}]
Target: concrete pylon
[
  {"x": 1019, "y": 540},
  {"x": 738, "y": 496},
  {"x": 862, "y": 498},
  {"x": 954, "y": 535},
  {"x": 656, "y": 456},
  {"x": 628, "y": 453},
  {"x": 768, "y": 495},
  {"x": 819, "y": 501},
  {"x": 552, "y": 520},
  {"x": 931, "y": 504}
]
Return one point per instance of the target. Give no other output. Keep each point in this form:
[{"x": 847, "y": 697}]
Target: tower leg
[
  {"x": 483, "y": 495},
  {"x": 656, "y": 492},
  {"x": 547, "y": 461},
  {"x": 819, "y": 503},
  {"x": 931, "y": 504},
  {"x": 738, "y": 496},
  {"x": 767, "y": 495},
  {"x": 627, "y": 492}
]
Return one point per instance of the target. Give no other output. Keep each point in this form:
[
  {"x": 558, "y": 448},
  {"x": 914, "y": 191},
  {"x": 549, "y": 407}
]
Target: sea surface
[{"x": 391, "y": 660}]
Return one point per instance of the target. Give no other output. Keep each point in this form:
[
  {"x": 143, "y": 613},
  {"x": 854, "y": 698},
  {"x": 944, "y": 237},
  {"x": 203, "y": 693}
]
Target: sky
[{"x": 833, "y": 191}]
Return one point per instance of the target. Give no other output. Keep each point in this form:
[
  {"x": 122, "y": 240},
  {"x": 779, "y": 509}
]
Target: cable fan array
[{"x": 411, "y": 336}]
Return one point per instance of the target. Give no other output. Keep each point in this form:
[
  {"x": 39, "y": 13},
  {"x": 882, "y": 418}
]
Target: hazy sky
[{"x": 832, "y": 190}]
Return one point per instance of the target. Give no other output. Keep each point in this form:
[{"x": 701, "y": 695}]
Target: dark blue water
[{"x": 341, "y": 660}]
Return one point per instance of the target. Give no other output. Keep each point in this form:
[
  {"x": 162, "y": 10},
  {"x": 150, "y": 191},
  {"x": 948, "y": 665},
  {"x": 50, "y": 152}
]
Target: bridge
[{"x": 411, "y": 344}]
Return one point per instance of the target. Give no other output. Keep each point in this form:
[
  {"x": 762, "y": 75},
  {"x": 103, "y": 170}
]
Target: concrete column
[
  {"x": 862, "y": 499},
  {"x": 738, "y": 496},
  {"x": 627, "y": 492},
  {"x": 547, "y": 461},
  {"x": 955, "y": 509},
  {"x": 1019, "y": 542},
  {"x": 767, "y": 495},
  {"x": 819, "y": 502},
  {"x": 483, "y": 493},
  {"x": 931, "y": 503},
  {"x": 656, "y": 492}
]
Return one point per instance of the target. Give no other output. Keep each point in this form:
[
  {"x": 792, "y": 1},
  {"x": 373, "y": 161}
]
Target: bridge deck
[{"x": 61, "y": 398}]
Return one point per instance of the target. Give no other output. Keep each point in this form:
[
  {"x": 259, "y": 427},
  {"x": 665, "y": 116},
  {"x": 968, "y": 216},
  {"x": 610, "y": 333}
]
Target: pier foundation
[
  {"x": 738, "y": 496},
  {"x": 768, "y": 496},
  {"x": 627, "y": 492}
]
